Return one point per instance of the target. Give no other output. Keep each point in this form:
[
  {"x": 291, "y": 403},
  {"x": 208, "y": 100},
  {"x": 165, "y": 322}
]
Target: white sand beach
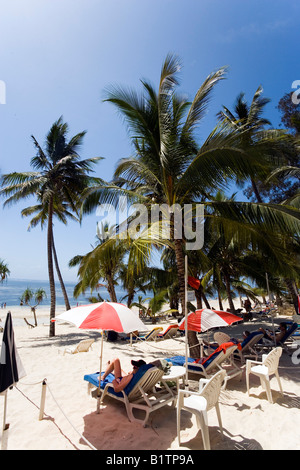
[{"x": 250, "y": 422}]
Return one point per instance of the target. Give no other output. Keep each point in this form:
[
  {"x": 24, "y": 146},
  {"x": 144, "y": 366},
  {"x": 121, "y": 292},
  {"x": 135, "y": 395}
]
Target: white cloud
[{"x": 252, "y": 29}]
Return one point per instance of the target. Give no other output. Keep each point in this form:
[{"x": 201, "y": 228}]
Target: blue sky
[{"x": 58, "y": 56}]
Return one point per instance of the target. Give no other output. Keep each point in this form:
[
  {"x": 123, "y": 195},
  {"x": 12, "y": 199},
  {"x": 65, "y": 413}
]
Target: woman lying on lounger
[{"x": 120, "y": 381}]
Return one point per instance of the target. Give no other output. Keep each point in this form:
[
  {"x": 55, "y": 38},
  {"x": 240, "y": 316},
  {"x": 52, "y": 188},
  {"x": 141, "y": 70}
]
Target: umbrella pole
[
  {"x": 100, "y": 371},
  {"x": 101, "y": 355},
  {"x": 186, "y": 324}
]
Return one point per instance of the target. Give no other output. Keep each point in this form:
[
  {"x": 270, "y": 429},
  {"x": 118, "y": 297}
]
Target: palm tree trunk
[
  {"x": 34, "y": 315},
  {"x": 192, "y": 336},
  {"x": 180, "y": 271},
  {"x": 293, "y": 291},
  {"x": 198, "y": 298},
  {"x": 62, "y": 285},
  {"x": 194, "y": 345},
  {"x": 111, "y": 288},
  {"x": 50, "y": 269},
  {"x": 227, "y": 284},
  {"x": 205, "y": 299},
  {"x": 130, "y": 298},
  {"x": 217, "y": 282},
  {"x": 220, "y": 300}
]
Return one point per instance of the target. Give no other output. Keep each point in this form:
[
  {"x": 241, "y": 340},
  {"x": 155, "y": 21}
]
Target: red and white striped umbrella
[
  {"x": 205, "y": 319},
  {"x": 103, "y": 316}
]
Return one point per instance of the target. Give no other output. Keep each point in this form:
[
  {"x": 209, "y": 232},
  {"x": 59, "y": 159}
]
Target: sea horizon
[{"x": 12, "y": 289}]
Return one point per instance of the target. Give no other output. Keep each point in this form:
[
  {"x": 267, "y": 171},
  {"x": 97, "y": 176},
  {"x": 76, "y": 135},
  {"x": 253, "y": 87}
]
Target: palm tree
[
  {"x": 39, "y": 295},
  {"x": 4, "y": 271},
  {"x": 60, "y": 210},
  {"x": 100, "y": 264},
  {"x": 248, "y": 118},
  {"x": 132, "y": 280},
  {"x": 60, "y": 174},
  {"x": 140, "y": 304}
]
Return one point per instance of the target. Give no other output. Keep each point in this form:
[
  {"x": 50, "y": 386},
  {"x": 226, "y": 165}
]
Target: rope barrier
[
  {"x": 150, "y": 343},
  {"x": 41, "y": 408},
  {"x": 82, "y": 437}
]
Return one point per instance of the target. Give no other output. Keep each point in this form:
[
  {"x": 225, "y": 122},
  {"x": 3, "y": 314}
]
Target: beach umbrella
[
  {"x": 11, "y": 368},
  {"x": 103, "y": 316},
  {"x": 205, "y": 319}
]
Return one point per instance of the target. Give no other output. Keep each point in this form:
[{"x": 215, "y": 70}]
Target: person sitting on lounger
[
  {"x": 278, "y": 336},
  {"x": 121, "y": 378}
]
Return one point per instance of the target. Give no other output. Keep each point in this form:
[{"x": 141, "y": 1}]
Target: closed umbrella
[
  {"x": 11, "y": 368},
  {"x": 103, "y": 316}
]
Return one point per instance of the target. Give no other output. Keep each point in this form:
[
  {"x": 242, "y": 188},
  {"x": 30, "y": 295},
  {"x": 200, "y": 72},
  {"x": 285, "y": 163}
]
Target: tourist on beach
[
  {"x": 120, "y": 381},
  {"x": 278, "y": 336}
]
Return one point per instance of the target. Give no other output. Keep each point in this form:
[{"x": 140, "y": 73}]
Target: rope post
[
  {"x": 5, "y": 424},
  {"x": 43, "y": 399}
]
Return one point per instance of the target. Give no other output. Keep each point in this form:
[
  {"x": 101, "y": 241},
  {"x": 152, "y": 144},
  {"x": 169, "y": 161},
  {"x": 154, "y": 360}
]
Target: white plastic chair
[
  {"x": 199, "y": 403},
  {"x": 221, "y": 337},
  {"x": 264, "y": 369}
]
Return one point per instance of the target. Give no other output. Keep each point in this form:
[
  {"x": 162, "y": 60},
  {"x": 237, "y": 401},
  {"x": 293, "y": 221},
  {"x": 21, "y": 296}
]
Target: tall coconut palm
[
  {"x": 248, "y": 119},
  {"x": 59, "y": 173},
  {"x": 61, "y": 212}
]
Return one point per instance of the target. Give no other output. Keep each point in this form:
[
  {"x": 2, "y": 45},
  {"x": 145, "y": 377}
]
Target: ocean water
[{"x": 12, "y": 290}]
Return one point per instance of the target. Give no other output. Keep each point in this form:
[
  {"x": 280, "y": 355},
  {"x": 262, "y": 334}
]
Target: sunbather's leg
[{"x": 113, "y": 366}]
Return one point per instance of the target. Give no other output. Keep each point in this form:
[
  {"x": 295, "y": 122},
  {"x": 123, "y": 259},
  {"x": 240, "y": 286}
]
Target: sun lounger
[
  {"x": 208, "y": 365},
  {"x": 83, "y": 346},
  {"x": 170, "y": 332},
  {"x": 286, "y": 341},
  {"x": 139, "y": 394},
  {"x": 248, "y": 347},
  {"x": 152, "y": 335}
]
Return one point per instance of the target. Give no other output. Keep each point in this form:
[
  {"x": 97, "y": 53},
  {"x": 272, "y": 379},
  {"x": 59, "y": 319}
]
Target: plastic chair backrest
[
  {"x": 220, "y": 337},
  {"x": 272, "y": 360},
  {"x": 212, "y": 389}
]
